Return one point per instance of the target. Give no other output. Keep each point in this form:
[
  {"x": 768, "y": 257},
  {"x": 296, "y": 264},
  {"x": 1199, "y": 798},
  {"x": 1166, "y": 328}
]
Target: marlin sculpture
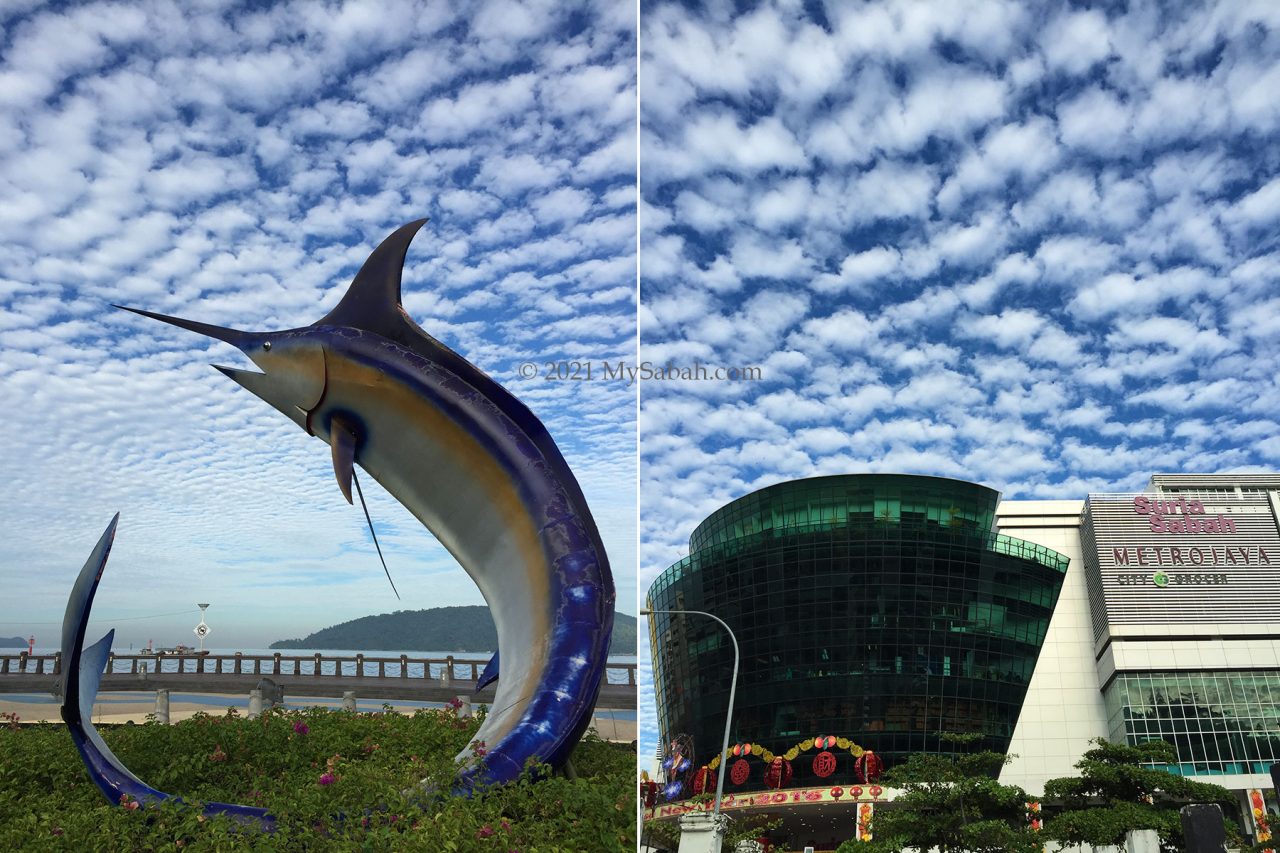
[{"x": 480, "y": 471}]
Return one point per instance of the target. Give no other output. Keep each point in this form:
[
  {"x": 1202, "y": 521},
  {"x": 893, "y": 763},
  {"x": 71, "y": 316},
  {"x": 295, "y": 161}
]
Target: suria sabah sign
[{"x": 1179, "y": 516}]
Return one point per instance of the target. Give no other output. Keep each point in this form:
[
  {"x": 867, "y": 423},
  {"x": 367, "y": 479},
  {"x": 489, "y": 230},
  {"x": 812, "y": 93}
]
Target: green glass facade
[
  {"x": 1219, "y": 722},
  {"x": 881, "y": 608}
]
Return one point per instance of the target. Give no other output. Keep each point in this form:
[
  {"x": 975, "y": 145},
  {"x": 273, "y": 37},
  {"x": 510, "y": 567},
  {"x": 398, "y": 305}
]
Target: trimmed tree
[
  {"x": 951, "y": 803},
  {"x": 1115, "y": 794}
]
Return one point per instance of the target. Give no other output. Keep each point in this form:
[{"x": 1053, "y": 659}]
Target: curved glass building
[{"x": 879, "y": 608}]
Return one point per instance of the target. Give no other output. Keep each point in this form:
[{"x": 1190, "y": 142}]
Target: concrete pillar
[
  {"x": 446, "y": 677},
  {"x": 464, "y": 706},
  {"x": 255, "y": 704},
  {"x": 1142, "y": 841},
  {"x": 700, "y": 833},
  {"x": 349, "y": 700},
  {"x": 162, "y": 706}
]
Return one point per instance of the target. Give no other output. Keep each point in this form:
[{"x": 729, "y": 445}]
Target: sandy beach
[{"x": 126, "y": 707}]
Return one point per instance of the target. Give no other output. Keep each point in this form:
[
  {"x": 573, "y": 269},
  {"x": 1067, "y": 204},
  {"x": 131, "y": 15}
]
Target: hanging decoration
[
  {"x": 868, "y": 766},
  {"x": 1033, "y": 816},
  {"x": 865, "y": 811},
  {"x": 779, "y": 773},
  {"x": 701, "y": 780},
  {"x": 1258, "y": 807},
  {"x": 825, "y": 762}
]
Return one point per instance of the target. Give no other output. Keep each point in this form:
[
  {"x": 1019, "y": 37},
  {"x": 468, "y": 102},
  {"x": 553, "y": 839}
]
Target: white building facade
[{"x": 1167, "y": 627}]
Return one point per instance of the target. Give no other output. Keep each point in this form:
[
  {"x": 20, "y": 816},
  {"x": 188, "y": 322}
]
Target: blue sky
[
  {"x": 235, "y": 163},
  {"x": 1030, "y": 245}
]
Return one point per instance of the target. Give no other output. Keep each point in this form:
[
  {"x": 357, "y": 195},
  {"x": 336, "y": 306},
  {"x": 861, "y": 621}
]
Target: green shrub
[{"x": 334, "y": 780}]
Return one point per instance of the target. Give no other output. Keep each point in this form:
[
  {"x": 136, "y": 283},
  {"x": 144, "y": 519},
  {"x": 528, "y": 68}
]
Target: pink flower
[
  {"x": 218, "y": 754},
  {"x": 478, "y": 748},
  {"x": 327, "y": 778},
  {"x": 301, "y": 727},
  {"x": 485, "y": 831}
]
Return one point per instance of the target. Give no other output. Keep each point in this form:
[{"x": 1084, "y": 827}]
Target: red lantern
[
  {"x": 869, "y": 766},
  {"x": 740, "y": 771},
  {"x": 779, "y": 773},
  {"x": 700, "y": 779},
  {"x": 876, "y": 791},
  {"x": 837, "y": 792},
  {"x": 737, "y": 749},
  {"x": 746, "y": 749},
  {"x": 855, "y": 791},
  {"x": 824, "y": 764}
]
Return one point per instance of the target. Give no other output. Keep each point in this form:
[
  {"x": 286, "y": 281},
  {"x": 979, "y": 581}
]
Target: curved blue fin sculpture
[
  {"x": 480, "y": 471},
  {"x": 82, "y": 672}
]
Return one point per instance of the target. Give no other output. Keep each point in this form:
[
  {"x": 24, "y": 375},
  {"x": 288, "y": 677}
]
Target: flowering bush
[{"x": 351, "y": 783}]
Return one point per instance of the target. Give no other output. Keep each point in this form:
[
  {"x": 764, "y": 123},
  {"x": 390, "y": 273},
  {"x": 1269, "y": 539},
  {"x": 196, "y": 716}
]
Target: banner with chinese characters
[
  {"x": 865, "y": 811},
  {"x": 790, "y": 796},
  {"x": 1261, "y": 823},
  {"x": 1034, "y": 818}
]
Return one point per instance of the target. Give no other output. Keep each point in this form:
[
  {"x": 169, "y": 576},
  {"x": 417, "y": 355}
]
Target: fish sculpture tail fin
[{"x": 84, "y": 670}]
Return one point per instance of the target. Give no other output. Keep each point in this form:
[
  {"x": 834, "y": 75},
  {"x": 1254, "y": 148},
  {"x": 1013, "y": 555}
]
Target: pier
[{"x": 403, "y": 677}]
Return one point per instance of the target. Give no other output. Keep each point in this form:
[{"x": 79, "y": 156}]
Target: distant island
[
  {"x": 460, "y": 629},
  {"x": 14, "y": 642}
]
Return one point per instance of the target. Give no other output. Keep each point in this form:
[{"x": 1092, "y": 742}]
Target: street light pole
[{"x": 728, "y": 717}]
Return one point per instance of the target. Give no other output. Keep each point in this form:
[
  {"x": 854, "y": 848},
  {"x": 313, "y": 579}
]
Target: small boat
[{"x": 181, "y": 650}]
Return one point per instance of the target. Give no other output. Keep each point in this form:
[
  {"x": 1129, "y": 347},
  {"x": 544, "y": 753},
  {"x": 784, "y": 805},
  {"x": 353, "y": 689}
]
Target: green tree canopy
[
  {"x": 951, "y": 803},
  {"x": 1115, "y": 793}
]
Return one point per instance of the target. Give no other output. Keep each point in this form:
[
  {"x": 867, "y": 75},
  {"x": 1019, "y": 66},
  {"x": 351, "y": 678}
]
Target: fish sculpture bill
[
  {"x": 82, "y": 673},
  {"x": 481, "y": 472}
]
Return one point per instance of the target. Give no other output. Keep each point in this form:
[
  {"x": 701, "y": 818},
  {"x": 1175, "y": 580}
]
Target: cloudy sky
[
  {"x": 1024, "y": 244},
  {"x": 235, "y": 163}
]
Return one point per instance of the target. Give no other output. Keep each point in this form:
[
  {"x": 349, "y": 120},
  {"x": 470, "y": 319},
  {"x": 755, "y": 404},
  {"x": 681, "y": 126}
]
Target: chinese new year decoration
[
  {"x": 868, "y": 766},
  {"x": 1258, "y": 806},
  {"x": 865, "y": 811},
  {"x": 701, "y": 779},
  {"x": 779, "y": 772},
  {"x": 824, "y": 764}
]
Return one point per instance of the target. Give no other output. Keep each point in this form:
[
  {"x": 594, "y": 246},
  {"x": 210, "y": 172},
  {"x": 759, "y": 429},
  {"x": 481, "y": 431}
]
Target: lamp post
[{"x": 728, "y": 717}]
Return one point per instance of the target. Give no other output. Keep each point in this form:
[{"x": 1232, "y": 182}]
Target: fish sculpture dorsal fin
[{"x": 372, "y": 302}]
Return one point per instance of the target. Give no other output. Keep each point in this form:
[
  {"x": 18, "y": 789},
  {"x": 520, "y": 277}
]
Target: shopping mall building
[{"x": 874, "y": 612}]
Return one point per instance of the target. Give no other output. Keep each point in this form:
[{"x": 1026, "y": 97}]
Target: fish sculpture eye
[{"x": 475, "y": 466}]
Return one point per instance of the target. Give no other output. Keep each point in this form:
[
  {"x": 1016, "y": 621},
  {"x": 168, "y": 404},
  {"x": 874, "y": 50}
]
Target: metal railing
[{"x": 317, "y": 665}]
